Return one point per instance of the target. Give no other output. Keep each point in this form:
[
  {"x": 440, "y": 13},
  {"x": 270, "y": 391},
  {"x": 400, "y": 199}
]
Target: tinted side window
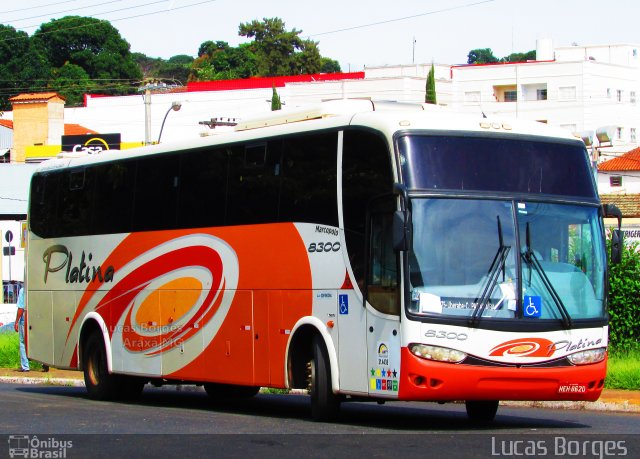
[
  {"x": 309, "y": 182},
  {"x": 75, "y": 206},
  {"x": 366, "y": 172},
  {"x": 113, "y": 197},
  {"x": 254, "y": 184},
  {"x": 156, "y": 197},
  {"x": 383, "y": 292},
  {"x": 203, "y": 188},
  {"x": 44, "y": 204}
]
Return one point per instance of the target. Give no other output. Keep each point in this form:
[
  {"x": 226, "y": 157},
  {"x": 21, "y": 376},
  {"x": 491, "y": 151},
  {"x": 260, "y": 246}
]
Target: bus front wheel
[
  {"x": 100, "y": 384},
  {"x": 325, "y": 405},
  {"x": 481, "y": 410}
]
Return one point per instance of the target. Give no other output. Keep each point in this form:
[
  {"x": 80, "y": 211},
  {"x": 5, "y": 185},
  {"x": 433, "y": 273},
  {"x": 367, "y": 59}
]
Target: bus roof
[{"x": 387, "y": 117}]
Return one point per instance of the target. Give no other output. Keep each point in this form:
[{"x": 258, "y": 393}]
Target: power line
[
  {"x": 39, "y": 6},
  {"x": 63, "y": 11},
  {"x": 176, "y": 8},
  {"x": 362, "y": 26},
  {"x": 96, "y": 14}
]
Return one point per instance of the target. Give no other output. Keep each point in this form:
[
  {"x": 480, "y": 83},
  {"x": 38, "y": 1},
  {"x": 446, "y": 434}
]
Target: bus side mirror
[
  {"x": 616, "y": 246},
  {"x": 612, "y": 211},
  {"x": 401, "y": 230}
]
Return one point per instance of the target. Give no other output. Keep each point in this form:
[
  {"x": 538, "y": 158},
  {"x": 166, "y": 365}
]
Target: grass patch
[
  {"x": 10, "y": 352},
  {"x": 271, "y": 390},
  {"x": 623, "y": 370}
]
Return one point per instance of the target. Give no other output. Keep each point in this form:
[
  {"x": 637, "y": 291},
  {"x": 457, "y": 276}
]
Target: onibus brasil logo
[{"x": 30, "y": 446}]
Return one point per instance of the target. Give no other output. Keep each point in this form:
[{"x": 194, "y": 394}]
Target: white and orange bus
[{"x": 383, "y": 254}]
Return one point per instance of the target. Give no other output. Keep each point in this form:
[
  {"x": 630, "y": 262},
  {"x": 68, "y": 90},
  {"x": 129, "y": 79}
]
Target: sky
[{"x": 356, "y": 33}]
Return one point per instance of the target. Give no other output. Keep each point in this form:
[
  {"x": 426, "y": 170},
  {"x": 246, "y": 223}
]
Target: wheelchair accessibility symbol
[
  {"x": 343, "y": 304},
  {"x": 532, "y": 306}
]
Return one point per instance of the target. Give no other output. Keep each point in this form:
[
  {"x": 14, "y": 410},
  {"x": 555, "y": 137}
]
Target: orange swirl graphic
[{"x": 524, "y": 347}]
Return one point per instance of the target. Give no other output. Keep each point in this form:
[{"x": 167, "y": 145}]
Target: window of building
[
  {"x": 619, "y": 133},
  {"x": 506, "y": 93},
  {"x": 608, "y": 93},
  {"x": 510, "y": 96},
  {"x": 615, "y": 180},
  {"x": 567, "y": 93},
  {"x": 632, "y": 97},
  {"x": 632, "y": 134},
  {"x": 535, "y": 91},
  {"x": 472, "y": 98},
  {"x": 619, "y": 95}
]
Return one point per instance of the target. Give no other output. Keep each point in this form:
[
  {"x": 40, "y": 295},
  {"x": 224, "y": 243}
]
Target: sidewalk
[{"x": 610, "y": 400}]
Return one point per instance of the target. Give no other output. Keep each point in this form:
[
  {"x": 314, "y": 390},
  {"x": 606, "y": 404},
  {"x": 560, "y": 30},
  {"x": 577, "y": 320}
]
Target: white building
[
  {"x": 580, "y": 88},
  {"x": 248, "y": 98},
  {"x": 619, "y": 184}
]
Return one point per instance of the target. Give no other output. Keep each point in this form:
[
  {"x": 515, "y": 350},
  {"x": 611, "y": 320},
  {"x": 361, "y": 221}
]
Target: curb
[
  {"x": 599, "y": 405},
  {"x": 70, "y": 382},
  {"x": 624, "y": 406}
]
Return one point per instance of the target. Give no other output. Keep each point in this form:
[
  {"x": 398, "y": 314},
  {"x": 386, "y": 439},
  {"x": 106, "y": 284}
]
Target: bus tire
[
  {"x": 325, "y": 405},
  {"x": 100, "y": 384},
  {"x": 481, "y": 410},
  {"x": 229, "y": 391}
]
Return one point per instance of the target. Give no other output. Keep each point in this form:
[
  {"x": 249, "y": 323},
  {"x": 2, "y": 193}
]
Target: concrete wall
[
  {"x": 36, "y": 123},
  {"x": 630, "y": 183}
]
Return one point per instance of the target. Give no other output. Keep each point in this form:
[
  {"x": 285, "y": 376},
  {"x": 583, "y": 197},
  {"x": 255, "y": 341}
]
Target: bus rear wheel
[
  {"x": 99, "y": 383},
  {"x": 325, "y": 405},
  {"x": 481, "y": 410}
]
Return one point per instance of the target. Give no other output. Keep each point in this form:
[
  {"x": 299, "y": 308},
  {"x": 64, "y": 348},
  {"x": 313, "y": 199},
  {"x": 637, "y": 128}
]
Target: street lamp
[{"x": 175, "y": 106}]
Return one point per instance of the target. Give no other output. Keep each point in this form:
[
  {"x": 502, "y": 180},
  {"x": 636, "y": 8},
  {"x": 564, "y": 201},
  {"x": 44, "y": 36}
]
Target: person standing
[{"x": 19, "y": 327}]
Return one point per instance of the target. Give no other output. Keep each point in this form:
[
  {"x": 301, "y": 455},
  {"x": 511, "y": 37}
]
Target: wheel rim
[{"x": 93, "y": 371}]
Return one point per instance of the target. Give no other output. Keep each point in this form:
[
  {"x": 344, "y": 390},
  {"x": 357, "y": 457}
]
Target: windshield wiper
[
  {"x": 532, "y": 260},
  {"x": 497, "y": 265}
]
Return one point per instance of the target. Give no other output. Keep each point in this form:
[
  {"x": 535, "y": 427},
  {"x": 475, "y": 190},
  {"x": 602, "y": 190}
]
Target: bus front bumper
[{"x": 423, "y": 379}]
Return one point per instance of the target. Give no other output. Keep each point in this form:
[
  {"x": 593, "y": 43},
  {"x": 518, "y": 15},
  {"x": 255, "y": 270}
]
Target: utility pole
[
  {"x": 147, "y": 115},
  {"x": 146, "y": 90}
]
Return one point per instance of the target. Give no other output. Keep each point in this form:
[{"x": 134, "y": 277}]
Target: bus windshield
[
  {"x": 495, "y": 250},
  {"x": 467, "y": 261}
]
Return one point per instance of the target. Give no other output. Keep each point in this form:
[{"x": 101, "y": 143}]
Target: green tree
[
  {"x": 430, "y": 96},
  {"x": 481, "y": 56},
  {"x": 93, "y": 44},
  {"x": 308, "y": 60},
  {"x": 520, "y": 57},
  {"x": 624, "y": 309},
  {"x": 22, "y": 68},
  {"x": 328, "y": 65},
  {"x": 279, "y": 51},
  {"x": 71, "y": 82},
  {"x": 218, "y": 61},
  {"x": 276, "y": 104}
]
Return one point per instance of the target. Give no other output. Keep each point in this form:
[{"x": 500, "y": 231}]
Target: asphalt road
[{"x": 188, "y": 424}]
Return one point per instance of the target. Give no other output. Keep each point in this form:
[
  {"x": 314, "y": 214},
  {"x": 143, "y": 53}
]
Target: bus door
[{"x": 383, "y": 307}]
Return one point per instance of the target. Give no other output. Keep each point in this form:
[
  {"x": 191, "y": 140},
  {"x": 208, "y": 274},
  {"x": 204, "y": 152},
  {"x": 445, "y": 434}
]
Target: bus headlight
[
  {"x": 588, "y": 356},
  {"x": 437, "y": 353}
]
